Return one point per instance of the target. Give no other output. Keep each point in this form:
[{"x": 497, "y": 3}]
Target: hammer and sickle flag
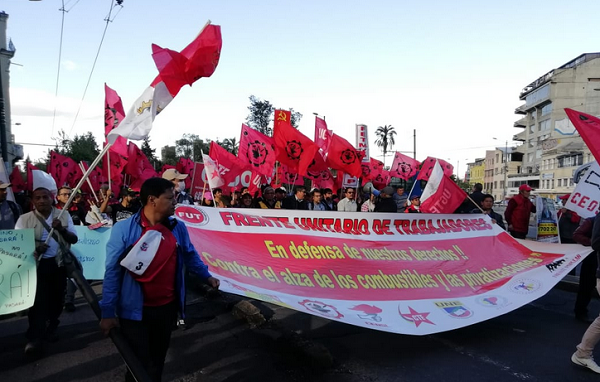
[{"x": 282, "y": 116}]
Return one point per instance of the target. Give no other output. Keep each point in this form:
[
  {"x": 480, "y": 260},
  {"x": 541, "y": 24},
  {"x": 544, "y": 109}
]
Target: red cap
[{"x": 525, "y": 187}]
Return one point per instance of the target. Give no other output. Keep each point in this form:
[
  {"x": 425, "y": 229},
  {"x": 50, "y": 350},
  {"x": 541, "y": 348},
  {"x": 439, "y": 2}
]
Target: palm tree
[
  {"x": 385, "y": 139},
  {"x": 231, "y": 145}
]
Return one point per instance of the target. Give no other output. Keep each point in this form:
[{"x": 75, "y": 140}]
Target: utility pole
[{"x": 505, "y": 168}]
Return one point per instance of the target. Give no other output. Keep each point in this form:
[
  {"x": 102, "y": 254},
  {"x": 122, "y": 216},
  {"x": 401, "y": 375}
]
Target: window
[
  {"x": 531, "y": 143},
  {"x": 545, "y": 125},
  {"x": 551, "y": 183},
  {"x": 547, "y": 109},
  {"x": 497, "y": 157},
  {"x": 565, "y": 182},
  {"x": 570, "y": 161},
  {"x": 559, "y": 183},
  {"x": 529, "y": 157},
  {"x": 495, "y": 185},
  {"x": 571, "y": 182},
  {"x": 495, "y": 171}
]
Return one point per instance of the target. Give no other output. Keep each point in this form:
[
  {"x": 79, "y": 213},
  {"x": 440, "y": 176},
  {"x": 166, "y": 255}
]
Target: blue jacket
[{"x": 122, "y": 296}]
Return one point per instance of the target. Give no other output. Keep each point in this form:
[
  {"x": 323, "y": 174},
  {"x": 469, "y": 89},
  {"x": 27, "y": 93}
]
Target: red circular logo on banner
[{"x": 191, "y": 215}]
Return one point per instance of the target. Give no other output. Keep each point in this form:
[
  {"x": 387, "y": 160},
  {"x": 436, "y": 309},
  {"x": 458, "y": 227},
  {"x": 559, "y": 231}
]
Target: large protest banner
[
  {"x": 585, "y": 199},
  {"x": 90, "y": 250},
  {"x": 407, "y": 273},
  {"x": 17, "y": 270}
]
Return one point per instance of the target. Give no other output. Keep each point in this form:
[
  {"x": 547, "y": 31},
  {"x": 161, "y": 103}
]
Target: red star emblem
[
  {"x": 416, "y": 317},
  {"x": 215, "y": 174}
]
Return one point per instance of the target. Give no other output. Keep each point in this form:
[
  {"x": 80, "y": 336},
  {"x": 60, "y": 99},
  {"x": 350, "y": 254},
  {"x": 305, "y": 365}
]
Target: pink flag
[
  {"x": 212, "y": 172},
  {"x": 441, "y": 194},
  {"x": 429, "y": 164},
  {"x": 322, "y": 134},
  {"x": 371, "y": 169},
  {"x": 113, "y": 115},
  {"x": 588, "y": 127},
  {"x": 341, "y": 155},
  {"x": 404, "y": 167},
  {"x": 230, "y": 166},
  {"x": 257, "y": 150},
  {"x": 186, "y": 166}
]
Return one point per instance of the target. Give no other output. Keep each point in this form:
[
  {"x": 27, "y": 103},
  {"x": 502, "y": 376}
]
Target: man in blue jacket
[{"x": 145, "y": 305}]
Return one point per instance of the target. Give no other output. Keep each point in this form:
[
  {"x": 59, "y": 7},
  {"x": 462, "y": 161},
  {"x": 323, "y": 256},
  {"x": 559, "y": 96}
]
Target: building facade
[{"x": 551, "y": 147}]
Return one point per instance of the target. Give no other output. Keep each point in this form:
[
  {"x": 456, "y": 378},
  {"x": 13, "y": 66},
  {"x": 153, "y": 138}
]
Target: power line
[
  {"x": 62, "y": 27},
  {"x": 108, "y": 20}
]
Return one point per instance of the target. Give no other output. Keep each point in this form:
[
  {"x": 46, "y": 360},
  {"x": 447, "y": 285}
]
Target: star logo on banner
[
  {"x": 294, "y": 149},
  {"x": 257, "y": 153},
  {"x": 415, "y": 317},
  {"x": 404, "y": 168},
  {"x": 366, "y": 170},
  {"x": 348, "y": 156}
]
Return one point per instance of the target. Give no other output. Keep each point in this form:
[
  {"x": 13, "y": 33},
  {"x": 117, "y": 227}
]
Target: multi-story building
[
  {"x": 488, "y": 171},
  {"x": 476, "y": 171},
  {"x": 551, "y": 147}
]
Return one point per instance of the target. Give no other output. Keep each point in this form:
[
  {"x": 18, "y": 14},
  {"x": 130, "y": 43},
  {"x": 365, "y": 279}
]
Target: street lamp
[{"x": 505, "y": 164}]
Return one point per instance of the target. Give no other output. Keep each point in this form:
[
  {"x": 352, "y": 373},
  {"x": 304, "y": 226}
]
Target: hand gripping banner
[{"x": 398, "y": 273}]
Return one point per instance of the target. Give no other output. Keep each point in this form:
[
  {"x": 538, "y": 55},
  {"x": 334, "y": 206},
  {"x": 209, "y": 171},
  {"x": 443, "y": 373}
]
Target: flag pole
[
  {"x": 109, "y": 177},
  {"x": 78, "y": 186},
  {"x": 193, "y": 177},
  {"x": 82, "y": 167}
]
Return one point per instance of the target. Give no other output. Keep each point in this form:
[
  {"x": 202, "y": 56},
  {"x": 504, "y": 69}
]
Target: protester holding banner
[
  {"x": 51, "y": 275},
  {"x": 401, "y": 199},
  {"x": 316, "y": 203},
  {"x": 9, "y": 210},
  {"x": 386, "y": 202},
  {"x": 518, "y": 211},
  {"x": 487, "y": 202},
  {"x": 583, "y": 356},
  {"x": 145, "y": 304},
  {"x": 330, "y": 204},
  {"x": 268, "y": 200},
  {"x": 296, "y": 201},
  {"x": 348, "y": 204}
]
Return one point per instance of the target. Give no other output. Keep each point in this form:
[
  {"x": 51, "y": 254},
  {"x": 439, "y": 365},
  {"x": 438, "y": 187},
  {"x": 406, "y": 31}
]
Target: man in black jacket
[
  {"x": 296, "y": 201},
  {"x": 386, "y": 202},
  {"x": 487, "y": 202}
]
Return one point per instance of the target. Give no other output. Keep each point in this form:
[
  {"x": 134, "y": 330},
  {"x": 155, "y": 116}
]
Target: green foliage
[
  {"x": 261, "y": 115},
  {"x": 80, "y": 148},
  {"x": 296, "y": 117},
  {"x": 148, "y": 151},
  {"x": 230, "y": 144},
  {"x": 191, "y": 146}
]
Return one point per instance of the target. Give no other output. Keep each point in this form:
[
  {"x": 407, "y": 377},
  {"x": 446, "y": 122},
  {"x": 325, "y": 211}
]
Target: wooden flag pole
[
  {"x": 78, "y": 186},
  {"x": 82, "y": 167},
  {"x": 108, "y": 164}
]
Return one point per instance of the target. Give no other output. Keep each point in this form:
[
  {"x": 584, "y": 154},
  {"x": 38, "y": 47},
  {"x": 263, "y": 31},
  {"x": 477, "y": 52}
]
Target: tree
[
  {"x": 148, "y": 151},
  {"x": 80, "y": 148},
  {"x": 296, "y": 117},
  {"x": 191, "y": 146},
  {"x": 385, "y": 138},
  {"x": 231, "y": 145},
  {"x": 261, "y": 115}
]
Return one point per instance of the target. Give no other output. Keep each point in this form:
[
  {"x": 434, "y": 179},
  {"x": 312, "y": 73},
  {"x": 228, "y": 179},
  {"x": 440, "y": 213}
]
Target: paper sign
[{"x": 17, "y": 270}]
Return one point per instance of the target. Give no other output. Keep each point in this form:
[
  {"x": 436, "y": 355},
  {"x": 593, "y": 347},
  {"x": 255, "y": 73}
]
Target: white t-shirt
[{"x": 52, "y": 244}]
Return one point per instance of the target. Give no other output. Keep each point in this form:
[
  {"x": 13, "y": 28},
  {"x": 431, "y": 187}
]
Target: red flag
[
  {"x": 371, "y": 169},
  {"x": 404, "y": 167},
  {"x": 341, "y": 155},
  {"x": 293, "y": 148},
  {"x": 138, "y": 166},
  {"x": 186, "y": 166},
  {"x": 282, "y": 116},
  {"x": 441, "y": 194},
  {"x": 322, "y": 134},
  {"x": 317, "y": 167},
  {"x": 325, "y": 180},
  {"x": 588, "y": 127},
  {"x": 381, "y": 180},
  {"x": 113, "y": 115},
  {"x": 199, "y": 59},
  {"x": 16, "y": 180},
  {"x": 257, "y": 150},
  {"x": 428, "y": 165},
  {"x": 230, "y": 166},
  {"x": 64, "y": 170},
  {"x": 117, "y": 166}
]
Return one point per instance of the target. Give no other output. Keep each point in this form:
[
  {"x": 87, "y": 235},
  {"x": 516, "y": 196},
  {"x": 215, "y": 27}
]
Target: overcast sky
[{"x": 451, "y": 70}]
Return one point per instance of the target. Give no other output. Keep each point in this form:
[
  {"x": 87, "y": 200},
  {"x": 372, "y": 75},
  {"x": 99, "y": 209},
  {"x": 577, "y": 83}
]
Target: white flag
[
  {"x": 211, "y": 168},
  {"x": 138, "y": 122}
]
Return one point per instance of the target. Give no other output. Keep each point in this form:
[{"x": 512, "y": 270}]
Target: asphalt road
[{"x": 533, "y": 343}]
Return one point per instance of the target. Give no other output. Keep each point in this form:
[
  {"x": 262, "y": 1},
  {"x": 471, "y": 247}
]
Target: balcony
[
  {"x": 521, "y": 122},
  {"x": 521, "y": 109},
  {"x": 521, "y": 137}
]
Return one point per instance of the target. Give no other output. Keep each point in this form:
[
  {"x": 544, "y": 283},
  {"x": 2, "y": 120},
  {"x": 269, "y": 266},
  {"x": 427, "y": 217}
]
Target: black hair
[
  {"x": 485, "y": 196},
  {"x": 299, "y": 188},
  {"x": 215, "y": 190},
  {"x": 326, "y": 190},
  {"x": 478, "y": 187},
  {"x": 154, "y": 187}
]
